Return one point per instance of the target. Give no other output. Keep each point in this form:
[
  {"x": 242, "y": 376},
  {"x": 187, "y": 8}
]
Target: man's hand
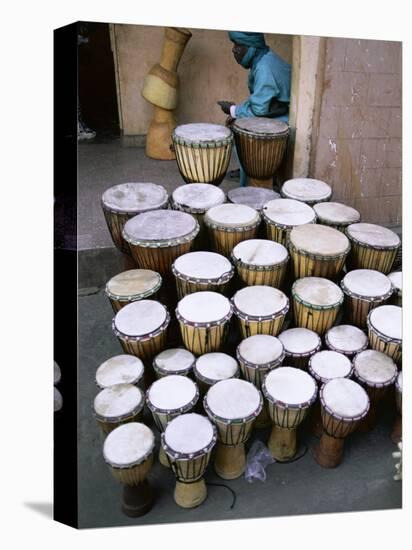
[{"x": 225, "y": 106}]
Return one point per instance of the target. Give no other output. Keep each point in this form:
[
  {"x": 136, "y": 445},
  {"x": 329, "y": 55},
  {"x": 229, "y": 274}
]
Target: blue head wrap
[{"x": 249, "y": 39}]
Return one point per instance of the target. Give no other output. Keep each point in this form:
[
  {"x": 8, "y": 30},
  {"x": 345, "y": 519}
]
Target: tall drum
[
  {"x": 299, "y": 345},
  {"x": 118, "y": 405},
  {"x": 131, "y": 286},
  {"x": 120, "y": 369},
  {"x": 336, "y": 215},
  {"x": 261, "y": 144},
  {"x": 346, "y": 339},
  {"x": 385, "y": 331},
  {"x": 214, "y": 367},
  {"x": 372, "y": 247},
  {"x": 174, "y": 361},
  {"x": 255, "y": 197},
  {"x": 307, "y": 190},
  {"x": 282, "y": 215},
  {"x": 316, "y": 303},
  {"x": 260, "y": 310},
  {"x": 122, "y": 202},
  {"x": 317, "y": 251},
  {"x": 157, "y": 238},
  {"x": 202, "y": 152}
]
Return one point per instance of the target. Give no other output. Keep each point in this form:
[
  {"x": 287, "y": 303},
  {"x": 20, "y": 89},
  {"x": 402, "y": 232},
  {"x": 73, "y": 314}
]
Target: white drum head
[
  {"x": 133, "y": 282},
  {"x": 259, "y": 301},
  {"x": 373, "y": 235},
  {"x": 396, "y": 279},
  {"x": 319, "y": 239},
  {"x": 118, "y": 401},
  {"x": 204, "y": 307},
  {"x": 387, "y": 320},
  {"x": 203, "y": 265},
  {"x": 261, "y": 349},
  {"x": 290, "y": 386},
  {"x": 216, "y": 366},
  {"x": 261, "y": 125},
  {"x": 260, "y": 252},
  {"x": 336, "y": 213},
  {"x": 233, "y": 399},
  {"x": 347, "y": 338},
  {"x": 326, "y": 365},
  {"x": 306, "y": 189},
  {"x": 200, "y": 132},
  {"x": 128, "y": 444},
  {"x": 345, "y": 398},
  {"x": 232, "y": 215},
  {"x": 198, "y": 196},
  {"x": 367, "y": 282},
  {"x": 375, "y": 368},
  {"x": 140, "y": 318},
  {"x": 189, "y": 433},
  {"x": 317, "y": 291},
  {"x": 175, "y": 360},
  {"x": 299, "y": 340},
  {"x": 135, "y": 197},
  {"x": 171, "y": 392},
  {"x": 120, "y": 369},
  {"x": 289, "y": 212},
  {"x": 159, "y": 225},
  {"x": 255, "y": 197}
]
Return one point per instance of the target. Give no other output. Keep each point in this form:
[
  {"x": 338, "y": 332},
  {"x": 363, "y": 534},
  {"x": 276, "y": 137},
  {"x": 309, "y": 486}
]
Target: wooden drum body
[
  {"x": 372, "y": 247},
  {"x": 282, "y": 215},
  {"x": 385, "y": 331}
]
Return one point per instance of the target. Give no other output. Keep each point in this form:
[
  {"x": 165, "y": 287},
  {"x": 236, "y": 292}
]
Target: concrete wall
[
  {"x": 356, "y": 138},
  {"x": 208, "y": 72}
]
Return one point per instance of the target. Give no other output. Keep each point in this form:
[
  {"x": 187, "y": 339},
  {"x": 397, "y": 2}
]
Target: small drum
[
  {"x": 196, "y": 271},
  {"x": 299, "y": 345},
  {"x": 202, "y": 152},
  {"x": 317, "y": 251},
  {"x": 307, "y": 190},
  {"x": 396, "y": 280},
  {"x": 260, "y": 310},
  {"x": 376, "y": 372},
  {"x": 282, "y": 215},
  {"x": 261, "y": 144},
  {"x": 188, "y": 442},
  {"x": 233, "y": 406},
  {"x": 343, "y": 405},
  {"x": 261, "y": 262},
  {"x": 229, "y": 224},
  {"x": 289, "y": 393},
  {"x": 131, "y": 286},
  {"x": 316, "y": 303},
  {"x": 385, "y": 331},
  {"x": 141, "y": 328},
  {"x": 336, "y": 215},
  {"x": 364, "y": 290},
  {"x": 204, "y": 321},
  {"x": 120, "y": 369},
  {"x": 396, "y": 435},
  {"x": 372, "y": 247},
  {"x": 346, "y": 339},
  {"x": 157, "y": 238},
  {"x": 128, "y": 451},
  {"x": 117, "y": 405},
  {"x": 122, "y": 202},
  {"x": 174, "y": 361},
  {"x": 255, "y": 197},
  {"x": 213, "y": 367}
]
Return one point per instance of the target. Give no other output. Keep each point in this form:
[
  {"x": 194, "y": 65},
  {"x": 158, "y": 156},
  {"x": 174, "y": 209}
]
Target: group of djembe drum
[{"x": 271, "y": 254}]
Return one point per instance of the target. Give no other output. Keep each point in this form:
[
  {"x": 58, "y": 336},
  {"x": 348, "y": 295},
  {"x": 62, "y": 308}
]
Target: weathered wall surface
[
  {"x": 208, "y": 73},
  {"x": 356, "y": 140}
]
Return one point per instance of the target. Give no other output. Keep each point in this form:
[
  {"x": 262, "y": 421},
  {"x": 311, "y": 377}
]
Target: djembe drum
[
  {"x": 289, "y": 393},
  {"x": 202, "y": 152},
  {"x": 168, "y": 398},
  {"x": 233, "y": 406},
  {"x": 120, "y": 369},
  {"x": 174, "y": 361},
  {"x": 197, "y": 271},
  {"x": 118, "y": 405},
  {"x": 396, "y": 279},
  {"x": 229, "y": 224},
  {"x": 344, "y": 403},
  {"x": 204, "y": 321},
  {"x": 376, "y": 372},
  {"x": 157, "y": 238},
  {"x": 299, "y": 345},
  {"x": 336, "y": 215},
  {"x": 213, "y": 367},
  {"x": 141, "y": 328},
  {"x": 187, "y": 442},
  {"x": 372, "y": 247},
  {"x": 324, "y": 366},
  {"x": 317, "y": 251},
  {"x": 261, "y": 144},
  {"x": 385, "y": 331},
  {"x": 257, "y": 355},
  {"x": 316, "y": 303},
  {"x": 364, "y": 289},
  {"x": 260, "y": 262},
  {"x": 308, "y": 190},
  {"x": 396, "y": 435},
  {"x": 282, "y": 215},
  {"x": 128, "y": 451},
  {"x": 255, "y": 197},
  {"x": 132, "y": 285},
  {"x": 260, "y": 310},
  {"x": 122, "y": 202},
  {"x": 346, "y": 339}
]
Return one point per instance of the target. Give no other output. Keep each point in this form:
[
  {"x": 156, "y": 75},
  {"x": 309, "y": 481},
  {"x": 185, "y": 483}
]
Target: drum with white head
[
  {"x": 132, "y": 285},
  {"x": 256, "y": 197},
  {"x": 257, "y": 355},
  {"x": 213, "y": 367},
  {"x": 396, "y": 279},
  {"x": 117, "y": 405},
  {"x": 372, "y": 247},
  {"x": 120, "y": 369},
  {"x": 336, "y": 214},
  {"x": 385, "y": 330},
  {"x": 174, "y": 361},
  {"x": 308, "y": 190},
  {"x": 346, "y": 339},
  {"x": 327, "y": 364},
  {"x": 299, "y": 344},
  {"x": 282, "y": 215}
]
